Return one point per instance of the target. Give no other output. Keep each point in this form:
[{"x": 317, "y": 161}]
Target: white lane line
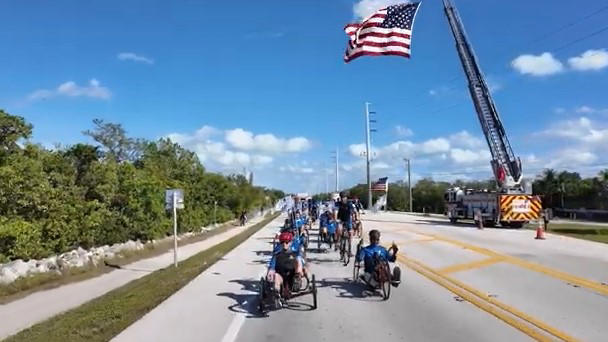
[
  {"x": 235, "y": 327},
  {"x": 238, "y": 320}
]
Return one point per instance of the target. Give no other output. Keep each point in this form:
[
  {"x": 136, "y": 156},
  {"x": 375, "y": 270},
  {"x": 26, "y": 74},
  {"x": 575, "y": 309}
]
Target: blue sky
[{"x": 262, "y": 85}]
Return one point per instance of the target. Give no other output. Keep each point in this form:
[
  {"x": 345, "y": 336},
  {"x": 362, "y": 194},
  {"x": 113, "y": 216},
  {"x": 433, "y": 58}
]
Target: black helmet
[{"x": 374, "y": 235}]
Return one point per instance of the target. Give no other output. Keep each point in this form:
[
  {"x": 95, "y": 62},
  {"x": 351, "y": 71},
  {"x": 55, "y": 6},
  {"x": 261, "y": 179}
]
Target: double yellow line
[{"x": 502, "y": 311}]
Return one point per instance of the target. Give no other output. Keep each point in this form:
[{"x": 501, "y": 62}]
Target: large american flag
[
  {"x": 380, "y": 185},
  {"x": 386, "y": 32}
]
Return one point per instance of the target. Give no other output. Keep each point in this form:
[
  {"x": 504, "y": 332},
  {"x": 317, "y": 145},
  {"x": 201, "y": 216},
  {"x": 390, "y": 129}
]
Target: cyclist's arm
[
  {"x": 390, "y": 256},
  {"x": 273, "y": 263},
  {"x": 360, "y": 255}
]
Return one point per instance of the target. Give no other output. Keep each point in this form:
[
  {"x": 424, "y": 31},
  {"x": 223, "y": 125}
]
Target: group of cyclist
[{"x": 288, "y": 261}]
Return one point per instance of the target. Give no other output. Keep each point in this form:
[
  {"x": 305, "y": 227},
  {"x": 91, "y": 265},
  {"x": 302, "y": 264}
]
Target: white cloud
[
  {"x": 571, "y": 158},
  {"x": 71, "y": 89},
  {"x": 584, "y": 110},
  {"x": 432, "y": 92},
  {"x": 403, "y": 131},
  {"x": 380, "y": 166},
  {"x": 130, "y": 56},
  {"x": 465, "y": 139},
  {"x": 493, "y": 84},
  {"x": 541, "y": 65},
  {"x": 435, "y": 146},
  {"x": 268, "y": 143},
  {"x": 590, "y": 60},
  {"x": 462, "y": 156},
  {"x": 582, "y": 130},
  {"x": 559, "y": 110},
  {"x": 365, "y": 8},
  {"x": 357, "y": 150},
  {"x": 295, "y": 169}
]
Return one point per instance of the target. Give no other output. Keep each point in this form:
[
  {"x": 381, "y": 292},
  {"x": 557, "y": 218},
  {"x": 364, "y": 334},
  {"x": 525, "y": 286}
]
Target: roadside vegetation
[
  {"x": 55, "y": 200},
  {"x": 106, "y": 316},
  {"x": 24, "y": 286}
]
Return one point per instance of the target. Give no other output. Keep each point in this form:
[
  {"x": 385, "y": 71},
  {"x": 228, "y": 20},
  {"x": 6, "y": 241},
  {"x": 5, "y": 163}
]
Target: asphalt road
[{"x": 459, "y": 284}]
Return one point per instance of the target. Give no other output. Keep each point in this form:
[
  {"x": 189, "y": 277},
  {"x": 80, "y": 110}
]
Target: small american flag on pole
[
  {"x": 386, "y": 32},
  {"x": 380, "y": 185}
]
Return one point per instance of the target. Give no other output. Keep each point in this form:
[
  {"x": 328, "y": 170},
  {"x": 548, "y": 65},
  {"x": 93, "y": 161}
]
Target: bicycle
[{"x": 344, "y": 242}]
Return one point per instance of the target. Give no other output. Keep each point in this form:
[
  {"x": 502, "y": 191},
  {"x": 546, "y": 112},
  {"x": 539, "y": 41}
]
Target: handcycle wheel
[
  {"x": 356, "y": 267},
  {"x": 314, "y": 292},
  {"x": 386, "y": 281},
  {"x": 262, "y": 296}
]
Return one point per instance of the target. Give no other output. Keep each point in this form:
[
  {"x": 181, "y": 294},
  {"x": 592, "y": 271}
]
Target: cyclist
[
  {"x": 345, "y": 213},
  {"x": 332, "y": 228},
  {"x": 284, "y": 263},
  {"x": 366, "y": 254}
]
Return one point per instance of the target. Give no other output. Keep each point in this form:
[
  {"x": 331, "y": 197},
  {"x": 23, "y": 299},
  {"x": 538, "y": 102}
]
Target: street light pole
[
  {"x": 409, "y": 183},
  {"x": 337, "y": 170},
  {"x": 367, "y": 156}
]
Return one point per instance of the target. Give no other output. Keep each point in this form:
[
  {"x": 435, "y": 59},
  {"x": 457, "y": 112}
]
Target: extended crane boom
[{"x": 506, "y": 167}]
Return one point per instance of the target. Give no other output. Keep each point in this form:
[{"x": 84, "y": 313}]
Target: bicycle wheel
[
  {"x": 319, "y": 242},
  {"x": 314, "y": 292},
  {"x": 347, "y": 252}
]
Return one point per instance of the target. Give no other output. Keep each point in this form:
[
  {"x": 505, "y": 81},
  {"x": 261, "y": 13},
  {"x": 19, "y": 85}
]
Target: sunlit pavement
[{"x": 459, "y": 284}]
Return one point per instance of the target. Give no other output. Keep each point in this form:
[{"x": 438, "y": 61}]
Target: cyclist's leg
[{"x": 278, "y": 281}]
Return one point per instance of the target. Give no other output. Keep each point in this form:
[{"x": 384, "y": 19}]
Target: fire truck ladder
[{"x": 506, "y": 167}]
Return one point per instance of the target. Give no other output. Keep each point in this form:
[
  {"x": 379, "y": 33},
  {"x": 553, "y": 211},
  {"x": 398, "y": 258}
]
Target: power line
[
  {"x": 536, "y": 40},
  {"x": 562, "y": 28},
  {"x": 581, "y": 39}
]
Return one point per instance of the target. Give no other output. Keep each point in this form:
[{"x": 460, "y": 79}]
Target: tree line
[
  {"x": 54, "y": 200},
  {"x": 558, "y": 190}
]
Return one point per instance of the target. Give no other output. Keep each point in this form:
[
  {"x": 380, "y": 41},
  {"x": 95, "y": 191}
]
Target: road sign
[{"x": 179, "y": 199}]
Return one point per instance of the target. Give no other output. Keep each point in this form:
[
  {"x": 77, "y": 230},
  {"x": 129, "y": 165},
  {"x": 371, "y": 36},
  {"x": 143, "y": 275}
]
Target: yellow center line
[
  {"x": 407, "y": 242},
  {"x": 569, "y": 278},
  {"x": 494, "y": 307},
  {"x": 470, "y": 265}
]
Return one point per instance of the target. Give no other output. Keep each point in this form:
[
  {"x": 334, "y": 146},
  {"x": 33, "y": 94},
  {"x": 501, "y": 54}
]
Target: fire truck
[{"x": 511, "y": 204}]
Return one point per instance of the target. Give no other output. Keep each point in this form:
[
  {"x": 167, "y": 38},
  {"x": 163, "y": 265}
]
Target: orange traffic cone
[{"x": 540, "y": 235}]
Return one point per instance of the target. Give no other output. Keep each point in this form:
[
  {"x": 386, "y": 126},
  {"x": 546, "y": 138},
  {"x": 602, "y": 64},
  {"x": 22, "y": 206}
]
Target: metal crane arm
[{"x": 506, "y": 167}]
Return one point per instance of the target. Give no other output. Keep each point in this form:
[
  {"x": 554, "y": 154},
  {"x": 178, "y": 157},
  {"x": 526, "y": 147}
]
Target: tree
[
  {"x": 113, "y": 138},
  {"x": 12, "y": 128}
]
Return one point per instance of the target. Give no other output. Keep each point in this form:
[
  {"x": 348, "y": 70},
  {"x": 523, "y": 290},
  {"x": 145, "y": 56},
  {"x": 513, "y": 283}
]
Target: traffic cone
[{"x": 540, "y": 235}]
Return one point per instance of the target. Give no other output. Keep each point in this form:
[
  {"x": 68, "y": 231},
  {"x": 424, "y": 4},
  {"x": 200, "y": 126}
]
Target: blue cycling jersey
[
  {"x": 324, "y": 220},
  {"x": 366, "y": 254},
  {"x": 332, "y": 226},
  {"x": 294, "y": 247}
]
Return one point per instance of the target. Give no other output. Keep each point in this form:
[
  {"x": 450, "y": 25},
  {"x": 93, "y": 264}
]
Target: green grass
[
  {"x": 106, "y": 316},
  {"x": 580, "y": 231},
  {"x": 44, "y": 281}
]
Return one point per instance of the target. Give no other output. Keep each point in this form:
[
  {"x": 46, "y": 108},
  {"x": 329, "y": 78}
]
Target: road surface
[{"x": 459, "y": 284}]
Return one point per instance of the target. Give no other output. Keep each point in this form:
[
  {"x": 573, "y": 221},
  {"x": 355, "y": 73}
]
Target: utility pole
[
  {"x": 367, "y": 156},
  {"x": 409, "y": 183},
  {"x": 326, "y": 178},
  {"x": 337, "y": 158}
]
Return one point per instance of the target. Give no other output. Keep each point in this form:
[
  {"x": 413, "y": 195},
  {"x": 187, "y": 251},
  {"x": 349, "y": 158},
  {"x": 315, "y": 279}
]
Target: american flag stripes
[
  {"x": 380, "y": 185},
  {"x": 386, "y": 32}
]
